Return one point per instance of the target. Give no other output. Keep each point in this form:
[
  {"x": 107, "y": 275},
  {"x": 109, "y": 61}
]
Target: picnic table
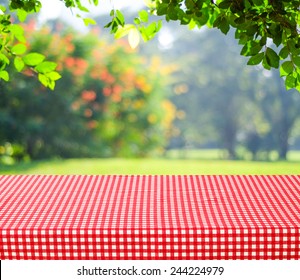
[{"x": 137, "y": 217}]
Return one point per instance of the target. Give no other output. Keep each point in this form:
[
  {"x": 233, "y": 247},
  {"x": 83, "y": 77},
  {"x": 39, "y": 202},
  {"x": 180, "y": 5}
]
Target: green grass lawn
[{"x": 153, "y": 166}]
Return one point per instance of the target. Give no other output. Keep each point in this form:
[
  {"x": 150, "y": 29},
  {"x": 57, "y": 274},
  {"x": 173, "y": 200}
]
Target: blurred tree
[
  {"x": 256, "y": 23},
  {"x": 225, "y": 104},
  {"x": 274, "y": 100},
  {"x": 107, "y": 103}
]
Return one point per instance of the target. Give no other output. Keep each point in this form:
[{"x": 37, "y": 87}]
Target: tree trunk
[
  {"x": 283, "y": 144},
  {"x": 229, "y": 138}
]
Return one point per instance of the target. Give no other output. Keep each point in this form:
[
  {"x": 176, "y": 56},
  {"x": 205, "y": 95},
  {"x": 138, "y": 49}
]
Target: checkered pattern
[{"x": 149, "y": 217}]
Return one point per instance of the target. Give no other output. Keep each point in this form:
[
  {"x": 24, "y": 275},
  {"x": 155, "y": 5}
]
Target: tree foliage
[
  {"x": 105, "y": 104},
  {"x": 225, "y": 105},
  {"x": 267, "y": 30}
]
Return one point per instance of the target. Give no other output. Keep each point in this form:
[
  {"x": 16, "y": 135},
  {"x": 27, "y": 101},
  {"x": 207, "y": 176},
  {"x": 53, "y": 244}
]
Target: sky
[
  {"x": 55, "y": 8},
  {"x": 52, "y": 9}
]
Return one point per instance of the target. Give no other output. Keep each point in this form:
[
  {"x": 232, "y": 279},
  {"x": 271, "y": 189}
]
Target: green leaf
[
  {"x": 225, "y": 4},
  {"x": 54, "y": 76},
  {"x": 296, "y": 61},
  {"x": 190, "y": 4},
  {"x": 82, "y": 8},
  {"x": 162, "y": 9},
  {"x": 284, "y": 52},
  {"x": 33, "y": 59},
  {"x": 19, "y": 63},
  {"x": 290, "y": 81},
  {"x": 2, "y": 8},
  {"x": 143, "y": 15},
  {"x": 19, "y": 49},
  {"x": 22, "y": 15},
  {"x": 258, "y": 2},
  {"x": 46, "y": 67},
  {"x": 286, "y": 68},
  {"x": 134, "y": 38},
  {"x": 4, "y": 58},
  {"x": 149, "y": 31},
  {"x": 272, "y": 58},
  {"x": 43, "y": 79},
  {"x": 137, "y": 21},
  {"x": 89, "y": 21},
  {"x": 224, "y": 26},
  {"x": 222, "y": 23},
  {"x": 265, "y": 63},
  {"x": 4, "y": 75},
  {"x": 120, "y": 18},
  {"x": 123, "y": 31},
  {"x": 18, "y": 32},
  {"x": 254, "y": 60},
  {"x": 172, "y": 12},
  {"x": 192, "y": 24},
  {"x": 251, "y": 48}
]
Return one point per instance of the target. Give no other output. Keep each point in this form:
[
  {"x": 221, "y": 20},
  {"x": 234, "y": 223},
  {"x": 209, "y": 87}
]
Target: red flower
[
  {"x": 107, "y": 91},
  {"x": 88, "y": 95}
]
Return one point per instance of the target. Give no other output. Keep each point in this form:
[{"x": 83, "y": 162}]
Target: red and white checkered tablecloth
[{"x": 149, "y": 217}]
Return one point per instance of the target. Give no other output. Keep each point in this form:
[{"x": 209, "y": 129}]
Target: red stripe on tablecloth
[
  {"x": 290, "y": 194},
  {"x": 281, "y": 208},
  {"x": 150, "y": 217},
  {"x": 255, "y": 205},
  {"x": 202, "y": 202},
  {"x": 45, "y": 212},
  {"x": 243, "y": 192},
  {"x": 222, "y": 212},
  {"x": 20, "y": 206}
]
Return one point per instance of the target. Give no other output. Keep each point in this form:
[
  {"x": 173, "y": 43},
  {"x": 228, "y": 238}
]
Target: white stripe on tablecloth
[
  {"x": 189, "y": 197},
  {"x": 201, "y": 200},
  {"x": 98, "y": 201},
  {"x": 295, "y": 180},
  {"x": 86, "y": 211},
  {"x": 132, "y": 185},
  {"x": 80, "y": 210},
  {"x": 159, "y": 201},
  {"x": 26, "y": 197},
  {"x": 212, "y": 194},
  {"x": 253, "y": 213},
  {"x": 186, "y": 201},
  {"x": 246, "y": 197},
  {"x": 149, "y": 201},
  {"x": 241, "y": 196},
  {"x": 134, "y": 202},
  {"x": 196, "y": 198},
  {"x": 167, "y": 203},
  {"x": 259, "y": 208},
  {"x": 222, "y": 211},
  {"x": 266, "y": 207},
  {"x": 290, "y": 194},
  {"x": 124, "y": 203},
  {"x": 225, "y": 205},
  {"x": 104, "y": 191},
  {"x": 91, "y": 211},
  {"x": 14, "y": 196},
  {"x": 113, "y": 211},
  {"x": 63, "y": 209},
  {"x": 119, "y": 209},
  {"x": 178, "y": 211},
  {"x": 12, "y": 182},
  {"x": 215, "y": 196},
  {"x": 47, "y": 189},
  {"x": 280, "y": 204}
]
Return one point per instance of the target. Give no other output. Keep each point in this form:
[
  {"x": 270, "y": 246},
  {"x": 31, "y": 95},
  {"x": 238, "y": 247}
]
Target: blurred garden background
[{"x": 183, "y": 103}]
